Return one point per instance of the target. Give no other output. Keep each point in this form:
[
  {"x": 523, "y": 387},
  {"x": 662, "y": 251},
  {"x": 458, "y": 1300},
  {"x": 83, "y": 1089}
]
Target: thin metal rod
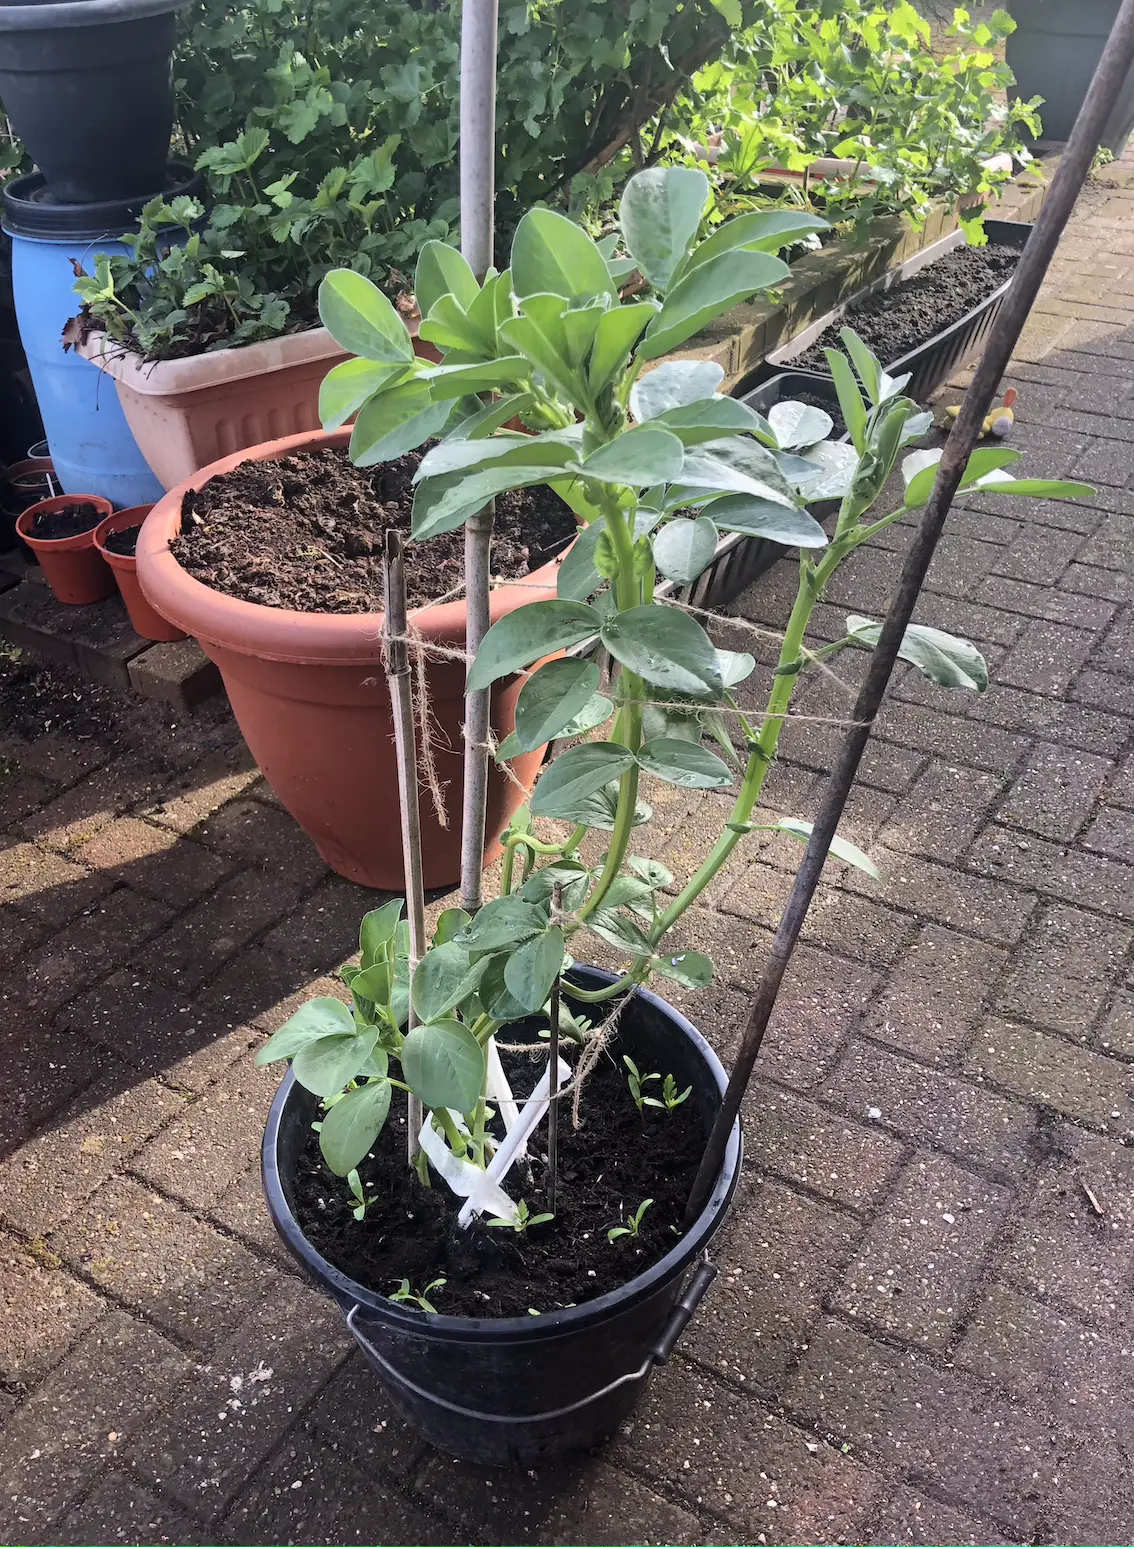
[
  {"x": 1114, "y": 66},
  {"x": 478, "y": 192},
  {"x": 400, "y": 681},
  {"x": 553, "y": 1066}
]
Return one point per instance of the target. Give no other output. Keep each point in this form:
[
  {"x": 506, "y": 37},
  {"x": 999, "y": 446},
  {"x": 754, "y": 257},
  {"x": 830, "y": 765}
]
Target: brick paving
[{"x": 922, "y": 1329}]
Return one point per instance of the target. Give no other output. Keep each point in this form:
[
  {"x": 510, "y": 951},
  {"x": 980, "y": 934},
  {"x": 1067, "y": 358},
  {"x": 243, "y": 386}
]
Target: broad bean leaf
[
  {"x": 552, "y": 254},
  {"x": 321, "y": 1017},
  {"x": 835, "y": 466},
  {"x": 377, "y": 934},
  {"x": 683, "y": 549},
  {"x": 530, "y": 972},
  {"x": 361, "y": 320},
  {"x": 711, "y": 418},
  {"x": 442, "y": 270},
  {"x": 395, "y": 422},
  {"x": 638, "y": 457},
  {"x": 618, "y": 930},
  {"x": 443, "y": 1065},
  {"x": 577, "y": 774},
  {"x": 674, "y": 384},
  {"x": 328, "y": 1064},
  {"x": 684, "y": 763},
  {"x": 353, "y": 1124},
  {"x": 443, "y": 978},
  {"x": 501, "y": 925},
  {"x": 760, "y": 231},
  {"x": 707, "y": 291},
  {"x": 541, "y": 628},
  {"x": 449, "y": 925},
  {"x": 483, "y": 421},
  {"x": 652, "y": 871},
  {"x": 347, "y": 386},
  {"x": 578, "y": 578},
  {"x": 691, "y": 969},
  {"x": 850, "y": 398},
  {"x": 945, "y": 659},
  {"x": 736, "y": 466},
  {"x": 668, "y": 648},
  {"x": 1041, "y": 488},
  {"x": 445, "y": 503},
  {"x": 453, "y": 381},
  {"x": 797, "y": 425},
  {"x": 619, "y": 329},
  {"x": 659, "y": 214},
  {"x": 573, "y": 877},
  {"x": 552, "y": 698},
  {"x": 763, "y": 518},
  {"x": 841, "y": 848}
]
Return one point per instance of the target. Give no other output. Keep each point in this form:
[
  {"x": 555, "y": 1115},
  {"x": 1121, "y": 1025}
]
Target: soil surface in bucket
[
  {"x": 123, "y": 542},
  {"x": 894, "y": 321},
  {"x": 53, "y": 525},
  {"x": 306, "y": 533},
  {"x": 617, "y": 1158}
]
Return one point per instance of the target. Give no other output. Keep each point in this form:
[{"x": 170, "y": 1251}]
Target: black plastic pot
[
  {"x": 520, "y": 1391},
  {"x": 938, "y": 357},
  {"x": 88, "y": 88}
]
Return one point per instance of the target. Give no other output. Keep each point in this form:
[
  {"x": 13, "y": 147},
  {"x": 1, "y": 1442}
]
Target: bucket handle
[{"x": 678, "y": 1320}]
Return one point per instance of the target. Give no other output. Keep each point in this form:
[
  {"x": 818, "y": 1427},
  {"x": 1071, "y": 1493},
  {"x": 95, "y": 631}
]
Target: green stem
[
  {"x": 449, "y": 1128},
  {"x": 628, "y": 726},
  {"x": 812, "y": 579}
]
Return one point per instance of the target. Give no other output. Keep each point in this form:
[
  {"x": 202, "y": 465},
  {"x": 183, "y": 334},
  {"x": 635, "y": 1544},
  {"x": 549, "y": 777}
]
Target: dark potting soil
[
  {"x": 53, "y": 525},
  {"x": 123, "y": 542},
  {"x": 306, "y": 533},
  {"x": 607, "y": 1167},
  {"x": 894, "y": 321}
]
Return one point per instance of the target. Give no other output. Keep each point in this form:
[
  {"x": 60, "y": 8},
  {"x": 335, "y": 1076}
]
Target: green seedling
[
  {"x": 636, "y": 1079},
  {"x": 633, "y": 1225},
  {"x": 404, "y": 1295},
  {"x": 670, "y": 1096},
  {"x": 523, "y": 1222},
  {"x": 362, "y": 1202}
]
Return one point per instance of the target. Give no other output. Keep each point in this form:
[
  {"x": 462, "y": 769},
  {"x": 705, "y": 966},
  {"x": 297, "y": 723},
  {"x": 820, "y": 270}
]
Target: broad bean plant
[{"x": 656, "y": 463}]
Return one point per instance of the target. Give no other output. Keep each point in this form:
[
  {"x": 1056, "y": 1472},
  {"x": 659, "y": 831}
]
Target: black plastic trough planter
[
  {"x": 934, "y": 361},
  {"x": 87, "y": 86},
  {"x": 523, "y": 1390}
]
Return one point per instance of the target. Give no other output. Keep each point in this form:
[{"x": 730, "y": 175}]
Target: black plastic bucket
[
  {"x": 519, "y": 1391},
  {"x": 88, "y": 88}
]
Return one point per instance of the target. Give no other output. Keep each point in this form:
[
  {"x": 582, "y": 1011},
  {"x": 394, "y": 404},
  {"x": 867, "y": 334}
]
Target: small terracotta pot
[
  {"x": 147, "y": 622},
  {"x": 309, "y": 694},
  {"x": 73, "y": 565}
]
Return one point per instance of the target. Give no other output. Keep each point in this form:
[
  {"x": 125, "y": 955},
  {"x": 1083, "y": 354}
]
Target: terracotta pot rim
[
  {"x": 277, "y": 633},
  {"x": 60, "y": 502},
  {"x": 120, "y": 521}
]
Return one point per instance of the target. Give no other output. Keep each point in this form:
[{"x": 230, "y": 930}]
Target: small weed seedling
[
  {"x": 633, "y": 1225},
  {"x": 636, "y": 1079},
  {"x": 354, "y": 1182},
  {"x": 522, "y": 1222},
  {"x": 404, "y": 1295},
  {"x": 670, "y": 1096}
]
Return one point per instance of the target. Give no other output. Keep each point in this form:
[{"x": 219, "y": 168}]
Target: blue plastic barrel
[{"x": 91, "y": 444}]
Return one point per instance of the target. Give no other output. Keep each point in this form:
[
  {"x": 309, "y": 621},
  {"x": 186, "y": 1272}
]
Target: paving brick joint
[{"x": 922, "y": 1330}]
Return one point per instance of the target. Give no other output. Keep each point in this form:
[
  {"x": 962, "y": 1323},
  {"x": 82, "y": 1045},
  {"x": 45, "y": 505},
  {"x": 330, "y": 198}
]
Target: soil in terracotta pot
[
  {"x": 53, "y": 525},
  {"x": 895, "y": 321},
  {"x": 123, "y": 542},
  {"x": 607, "y": 1167},
  {"x": 306, "y": 533}
]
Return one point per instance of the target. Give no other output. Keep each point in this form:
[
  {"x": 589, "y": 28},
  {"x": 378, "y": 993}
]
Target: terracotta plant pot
[
  {"x": 146, "y": 621},
  {"x": 73, "y": 565},
  {"x": 185, "y": 414},
  {"x": 309, "y": 694}
]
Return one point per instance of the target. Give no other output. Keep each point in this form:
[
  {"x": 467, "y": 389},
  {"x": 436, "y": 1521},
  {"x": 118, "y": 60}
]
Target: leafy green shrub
[
  {"x": 857, "y": 80},
  {"x": 329, "y": 138}
]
